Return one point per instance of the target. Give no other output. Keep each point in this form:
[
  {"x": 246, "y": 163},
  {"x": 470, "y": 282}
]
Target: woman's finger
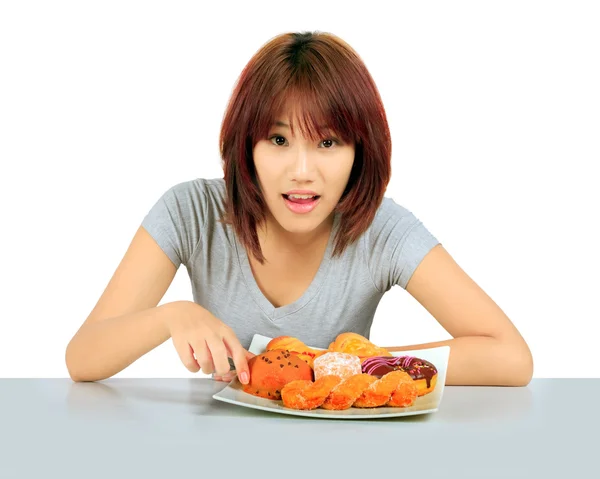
[
  {"x": 203, "y": 356},
  {"x": 240, "y": 358},
  {"x": 186, "y": 355},
  {"x": 218, "y": 352},
  {"x": 225, "y": 377}
]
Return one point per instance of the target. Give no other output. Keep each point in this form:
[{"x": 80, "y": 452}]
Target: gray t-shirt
[{"x": 343, "y": 295}]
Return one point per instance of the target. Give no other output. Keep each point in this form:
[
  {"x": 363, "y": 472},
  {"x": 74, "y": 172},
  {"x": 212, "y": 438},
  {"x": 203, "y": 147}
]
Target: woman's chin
[
  {"x": 298, "y": 227},
  {"x": 301, "y": 225}
]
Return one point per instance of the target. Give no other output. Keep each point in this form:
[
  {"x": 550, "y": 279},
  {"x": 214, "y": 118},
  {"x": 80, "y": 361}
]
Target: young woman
[{"x": 297, "y": 239}]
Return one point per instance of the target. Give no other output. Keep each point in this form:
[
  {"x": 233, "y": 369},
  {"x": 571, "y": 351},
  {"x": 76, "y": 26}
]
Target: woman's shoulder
[
  {"x": 184, "y": 214},
  {"x": 202, "y": 197},
  {"x": 391, "y": 213},
  {"x": 201, "y": 188},
  {"x": 395, "y": 243}
]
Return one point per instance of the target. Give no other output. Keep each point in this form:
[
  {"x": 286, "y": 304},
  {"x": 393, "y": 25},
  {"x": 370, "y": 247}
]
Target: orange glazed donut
[
  {"x": 380, "y": 392},
  {"x": 271, "y": 371},
  {"x": 422, "y": 372},
  {"x": 296, "y": 347},
  {"x": 301, "y": 394},
  {"x": 395, "y": 389}
]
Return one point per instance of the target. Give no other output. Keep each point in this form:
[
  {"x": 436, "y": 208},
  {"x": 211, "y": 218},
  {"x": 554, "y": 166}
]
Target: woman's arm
[
  {"x": 487, "y": 349},
  {"x": 126, "y": 323}
]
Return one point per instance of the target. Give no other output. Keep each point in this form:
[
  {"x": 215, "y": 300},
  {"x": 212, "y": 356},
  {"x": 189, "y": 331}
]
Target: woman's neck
[{"x": 273, "y": 237}]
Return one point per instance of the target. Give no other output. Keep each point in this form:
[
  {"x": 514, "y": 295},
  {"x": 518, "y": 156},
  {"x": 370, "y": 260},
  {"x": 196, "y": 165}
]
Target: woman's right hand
[{"x": 204, "y": 342}]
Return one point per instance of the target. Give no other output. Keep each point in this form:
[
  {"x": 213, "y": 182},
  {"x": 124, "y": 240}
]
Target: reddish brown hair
[{"x": 327, "y": 84}]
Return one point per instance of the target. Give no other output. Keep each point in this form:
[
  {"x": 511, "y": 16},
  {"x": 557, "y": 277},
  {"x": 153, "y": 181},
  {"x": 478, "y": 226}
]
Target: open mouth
[
  {"x": 301, "y": 199},
  {"x": 301, "y": 203}
]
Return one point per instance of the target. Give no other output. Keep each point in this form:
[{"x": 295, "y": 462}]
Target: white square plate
[{"x": 234, "y": 394}]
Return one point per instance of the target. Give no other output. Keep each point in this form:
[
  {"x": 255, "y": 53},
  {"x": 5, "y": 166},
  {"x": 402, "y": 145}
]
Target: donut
[
  {"x": 272, "y": 370},
  {"x": 303, "y": 394},
  {"x": 338, "y": 364},
  {"x": 296, "y": 347},
  {"x": 347, "y": 392},
  {"x": 423, "y": 372},
  {"x": 395, "y": 389},
  {"x": 354, "y": 343}
]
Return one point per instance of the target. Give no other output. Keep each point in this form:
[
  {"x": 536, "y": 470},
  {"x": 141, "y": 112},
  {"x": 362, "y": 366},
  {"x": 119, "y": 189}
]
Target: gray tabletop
[{"x": 171, "y": 428}]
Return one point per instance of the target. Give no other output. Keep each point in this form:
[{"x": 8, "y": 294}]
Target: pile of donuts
[{"x": 351, "y": 372}]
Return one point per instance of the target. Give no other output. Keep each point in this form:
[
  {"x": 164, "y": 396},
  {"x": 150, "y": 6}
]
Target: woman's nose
[{"x": 303, "y": 163}]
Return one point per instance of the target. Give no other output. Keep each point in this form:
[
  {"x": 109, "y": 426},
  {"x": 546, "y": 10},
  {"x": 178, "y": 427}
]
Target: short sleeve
[
  {"x": 395, "y": 244},
  {"x": 176, "y": 220}
]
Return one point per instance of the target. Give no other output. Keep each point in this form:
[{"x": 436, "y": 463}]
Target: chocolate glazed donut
[{"x": 423, "y": 372}]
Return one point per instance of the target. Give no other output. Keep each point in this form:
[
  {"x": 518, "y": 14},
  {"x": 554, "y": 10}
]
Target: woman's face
[{"x": 317, "y": 171}]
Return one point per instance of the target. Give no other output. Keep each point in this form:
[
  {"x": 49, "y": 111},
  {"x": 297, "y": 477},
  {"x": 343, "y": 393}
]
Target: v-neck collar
[{"x": 271, "y": 311}]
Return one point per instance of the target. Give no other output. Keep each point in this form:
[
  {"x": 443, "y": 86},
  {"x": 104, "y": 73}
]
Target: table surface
[{"x": 171, "y": 428}]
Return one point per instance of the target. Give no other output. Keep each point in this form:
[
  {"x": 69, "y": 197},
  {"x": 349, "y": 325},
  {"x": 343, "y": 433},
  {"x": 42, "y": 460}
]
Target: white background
[{"x": 494, "y": 108}]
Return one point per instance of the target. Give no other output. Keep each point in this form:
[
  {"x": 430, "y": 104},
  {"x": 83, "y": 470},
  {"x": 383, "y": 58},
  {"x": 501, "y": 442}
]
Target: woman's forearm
[
  {"x": 483, "y": 361},
  {"x": 105, "y": 347}
]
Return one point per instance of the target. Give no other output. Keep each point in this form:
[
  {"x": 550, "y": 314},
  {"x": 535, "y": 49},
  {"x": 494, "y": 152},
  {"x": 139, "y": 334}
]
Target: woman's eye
[
  {"x": 280, "y": 141},
  {"x": 277, "y": 139}
]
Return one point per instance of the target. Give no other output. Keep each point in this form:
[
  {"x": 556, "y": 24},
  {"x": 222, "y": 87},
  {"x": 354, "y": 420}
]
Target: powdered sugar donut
[{"x": 343, "y": 365}]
